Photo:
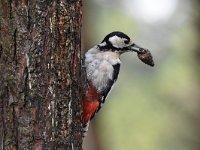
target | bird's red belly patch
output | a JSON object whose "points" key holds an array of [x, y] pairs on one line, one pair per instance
{"points": [[90, 104], [89, 109]]}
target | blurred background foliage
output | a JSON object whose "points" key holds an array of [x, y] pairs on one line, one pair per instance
{"points": [[149, 108]]}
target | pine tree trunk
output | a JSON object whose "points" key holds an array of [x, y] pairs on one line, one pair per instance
{"points": [[40, 77]]}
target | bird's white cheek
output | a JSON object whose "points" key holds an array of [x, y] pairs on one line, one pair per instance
{"points": [[117, 41]]}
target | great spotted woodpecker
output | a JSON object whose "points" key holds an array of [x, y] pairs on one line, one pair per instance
{"points": [[102, 65]]}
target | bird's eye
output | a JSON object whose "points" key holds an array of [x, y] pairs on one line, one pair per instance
{"points": [[126, 41]]}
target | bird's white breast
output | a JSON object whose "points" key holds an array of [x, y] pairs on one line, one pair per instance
{"points": [[99, 67]]}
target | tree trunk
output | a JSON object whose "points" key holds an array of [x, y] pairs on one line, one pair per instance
{"points": [[40, 80]]}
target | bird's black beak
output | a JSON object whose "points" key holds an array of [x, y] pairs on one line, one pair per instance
{"points": [[136, 48]]}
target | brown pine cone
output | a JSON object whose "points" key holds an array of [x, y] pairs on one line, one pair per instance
{"points": [[145, 56]]}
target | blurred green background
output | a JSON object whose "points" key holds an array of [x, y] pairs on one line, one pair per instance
{"points": [[149, 108]]}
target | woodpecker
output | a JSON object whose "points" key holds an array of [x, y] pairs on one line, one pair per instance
{"points": [[102, 66]]}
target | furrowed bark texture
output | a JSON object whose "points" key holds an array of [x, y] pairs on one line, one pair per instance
{"points": [[40, 90]]}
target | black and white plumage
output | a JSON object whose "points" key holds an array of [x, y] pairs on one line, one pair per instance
{"points": [[102, 63]]}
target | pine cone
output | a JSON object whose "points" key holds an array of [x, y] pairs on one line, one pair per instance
{"points": [[145, 56]]}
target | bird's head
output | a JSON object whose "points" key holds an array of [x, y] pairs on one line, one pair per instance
{"points": [[121, 43], [118, 42]]}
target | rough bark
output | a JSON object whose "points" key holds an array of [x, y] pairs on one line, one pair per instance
{"points": [[40, 90]]}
